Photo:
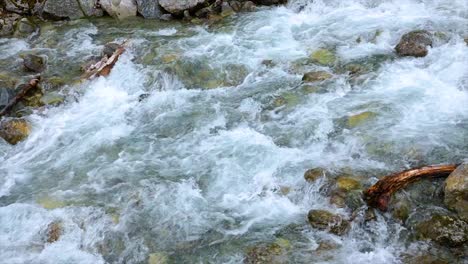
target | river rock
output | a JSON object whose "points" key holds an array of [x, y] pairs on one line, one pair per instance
{"points": [[71, 9], [346, 183], [270, 2], [177, 7], [157, 258], [24, 27], [120, 8], [149, 8], [248, 6], [24, 7], [456, 191], [443, 229], [273, 253], [110, 48], [324, 220], [323, 57], [14, 130], [414, 44], [359, 119], [54, 231], [316, 76], [312, 175], [7, 24], [34, 63]]}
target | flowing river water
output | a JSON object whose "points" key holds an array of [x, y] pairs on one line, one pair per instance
{"points": [[196, 170]]}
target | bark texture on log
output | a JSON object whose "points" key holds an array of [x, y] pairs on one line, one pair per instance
{"points": [[26, 87], [380, 193], [105, 65]]}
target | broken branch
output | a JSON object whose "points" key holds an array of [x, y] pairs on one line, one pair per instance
{"points": [[380, 193]]}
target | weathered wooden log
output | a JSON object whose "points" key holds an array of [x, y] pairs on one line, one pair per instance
{"points": [[24, 89], [105, 65], [380, 193]]}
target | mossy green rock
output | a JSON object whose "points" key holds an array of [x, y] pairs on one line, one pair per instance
{"points": [[52, 98], [456, 191], [323, 57], [443, 229], [14, 130], [347, 183], [157, 258], [274, 253], [316, 76], [360, 119], [324, 220]]}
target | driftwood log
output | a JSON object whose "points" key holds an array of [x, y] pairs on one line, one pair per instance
{"points": [[380, 193], [24, 89], [105, 65]]}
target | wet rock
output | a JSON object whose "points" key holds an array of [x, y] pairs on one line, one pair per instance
{"points": [[226, 9], [34, 63], [52, 98], [248, 6], [424, 259], [312, 175], [109, 49], [323, 57], [24, 7], [14, 130], [414, 44], [273, 253], [177, 7], [235, 5], [443, 229], [54, 231], [400, 207], [456, 191], [347, 183], [270, 2], [7, 24], [120, 8], [316, 76], [25, 27], [359, 119], [149, 8], [354, 200], [324, 220]]}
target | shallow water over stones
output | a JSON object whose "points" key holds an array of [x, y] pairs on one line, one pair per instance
{"points": [[197, 170]]}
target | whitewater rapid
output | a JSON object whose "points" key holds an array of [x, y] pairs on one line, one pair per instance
{"points": [[195, 174]]}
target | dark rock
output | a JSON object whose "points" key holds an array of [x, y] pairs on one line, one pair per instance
{"points": [[456, 191], [7, 24], [443, 229], [312, 175], [273, 253], [25, 27], [414, 44], [324, 220], [34, 63], [235, 5], [149, 8], [109, 49], [14, 130], [248, 6], [270, 2]]}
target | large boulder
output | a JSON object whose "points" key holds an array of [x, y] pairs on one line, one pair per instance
{"points": [[7, 23], [456, 191], [149, 8], [34, 63], [26, 7], [414, 44], [14, 130], [177, 7], [120, 8], [72, 9], [443, 229]]}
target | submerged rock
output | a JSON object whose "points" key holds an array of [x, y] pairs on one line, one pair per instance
{"points": [[347, 183], [359, 119], [443, 229], [323, 57], [54, 231], [273, 253], [312, 175], [34, 63], [324, 220], [157, 258], [456, 191], [414, 44], [316, 76], [14, 130]]}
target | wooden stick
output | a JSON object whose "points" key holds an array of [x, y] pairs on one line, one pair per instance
{"points": [[26, 87], [105, 65], [380, 193]]}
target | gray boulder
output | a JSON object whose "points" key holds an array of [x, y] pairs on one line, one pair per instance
{"points": [[149, 8], [7, 24], [72, 9], [120, 8], [178, 7], [414, 44], [456, 191]]}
